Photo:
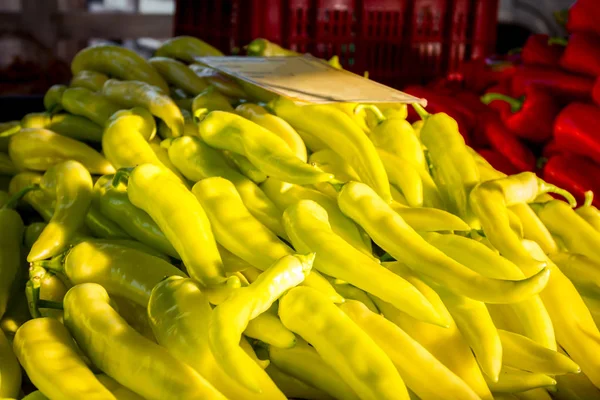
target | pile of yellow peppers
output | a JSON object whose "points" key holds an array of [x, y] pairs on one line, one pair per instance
{"points": [[168, 232]]}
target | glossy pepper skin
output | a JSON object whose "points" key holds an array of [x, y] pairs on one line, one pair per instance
{"points": [[537, 51], [10, 370], [574, 173], [285, 194], [46, 350], [582, 54], [230, 318], [537, 105], [112, 201], [123, 271], [445, 144], [196, 161], [361, 204], [410, 358], [181, 218], [44, 285], [575, 130], [343, 135], [304, 363], [91, 80], [53, 98], [308, 228], [88, 104], [583, 17], [73, 126], [179, 75], [181, 303], [38, 199], [589, 212], [505, 142], [186, 48], [341, 343], [71, 184], [38, 149], [266, 151], [559, 83], [132, 360], [275, 124], [140, 94], [118, 62]]}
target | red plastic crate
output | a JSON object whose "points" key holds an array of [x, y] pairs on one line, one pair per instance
{"points": [[397, 41]]}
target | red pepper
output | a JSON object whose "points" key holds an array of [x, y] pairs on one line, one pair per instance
{"points": [[577, 130], [537, 51], [498, 105], [596, 91], [481, 73], [574, 173], [584, 16], [552, 148], [531, 117], [582, 54], [563, 84], [498, 161], [506, 143]]}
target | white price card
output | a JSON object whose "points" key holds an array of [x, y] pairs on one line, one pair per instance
{"points": [[307, 79]]}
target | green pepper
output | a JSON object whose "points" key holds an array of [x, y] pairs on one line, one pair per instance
{"points": [[230, 318], [417, 366], [91, 80], [71, 184], [113, 202], [38, 149], [231, 222], [73, 126], [53, 98], [45, 286], [186, 48], [455, 171], [305, 364], [132, 360], [263, 149], [361, 363], [525, 354], [179, 75], [285, 194], [117, 62], [278, 126], [11, 237], [181, 218], [338, 131], [307, 226], [180, 316], [88, 104], [46, 350], [393, 235], [197, 161], [140, 94], [123, 271]]}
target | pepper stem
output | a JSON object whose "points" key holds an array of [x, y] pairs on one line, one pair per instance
{"points": [[589, 198], [558, 40], [12, 201], [550, 188], [56, 305], [421, 111], [337, 184], [515, 104], [55, 264], [121, 176], [373, 108]]}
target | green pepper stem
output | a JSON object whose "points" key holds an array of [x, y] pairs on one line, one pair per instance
{"points": [[420, 111], [121, 176], [558, 40], [55, 264], [14, 199], [56, 305], [337, 184], [550, 188], [373, 108], [515, 104], [589, 198], [516, 50], [561, 17], [165, 144], [35, 299]]}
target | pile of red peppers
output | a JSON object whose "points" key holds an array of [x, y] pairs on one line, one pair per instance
{"points": [[537, 110]]}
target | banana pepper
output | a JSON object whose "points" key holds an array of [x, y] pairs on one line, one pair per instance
{"points": [[178, 74], [73, 126], [91, 80], [91, 105]]}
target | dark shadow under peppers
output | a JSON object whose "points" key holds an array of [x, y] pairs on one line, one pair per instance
{"points": [[530, 117], [576, 130]]}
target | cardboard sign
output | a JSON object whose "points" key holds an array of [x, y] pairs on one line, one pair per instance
{"points": [[307, 79]]}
